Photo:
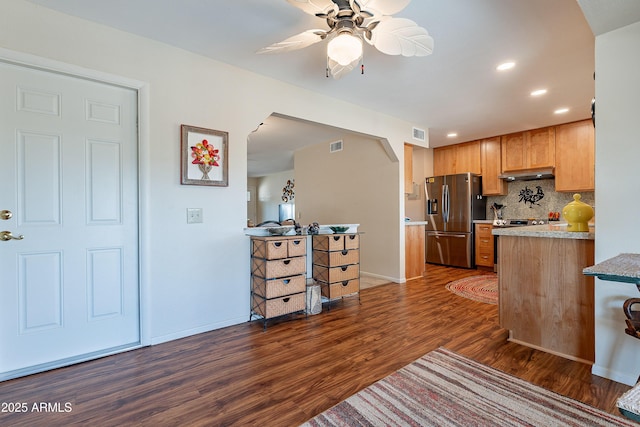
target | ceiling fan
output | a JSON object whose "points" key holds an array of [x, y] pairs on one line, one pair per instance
{"points": [[350, 22]]}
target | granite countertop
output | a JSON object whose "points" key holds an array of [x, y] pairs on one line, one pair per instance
{"points": [[621, 268], [483, 221], [554, 231]]}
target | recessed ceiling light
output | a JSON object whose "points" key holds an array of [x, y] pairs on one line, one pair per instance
{"points": [[561, 111], [538, 92], [506, 66], [452, 135]]}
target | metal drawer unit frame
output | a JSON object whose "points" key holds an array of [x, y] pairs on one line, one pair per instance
{"points": [[278, 276], [336, 265]]}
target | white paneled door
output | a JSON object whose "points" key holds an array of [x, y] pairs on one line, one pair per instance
{"points": [[69, 287]]}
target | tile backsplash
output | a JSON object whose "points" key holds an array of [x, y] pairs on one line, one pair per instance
{"points": [[534, 199]]}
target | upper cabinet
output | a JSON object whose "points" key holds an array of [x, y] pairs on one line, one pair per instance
{"points": [[408, 168], [575, 159], [444, 160], [491, 168], [569, 148], [533, 149], [458, 158]]}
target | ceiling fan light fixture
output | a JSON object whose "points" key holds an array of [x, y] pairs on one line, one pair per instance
{"points": [[345, 48]]}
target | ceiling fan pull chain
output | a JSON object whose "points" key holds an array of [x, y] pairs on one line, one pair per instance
{"points": [[327, 67]]}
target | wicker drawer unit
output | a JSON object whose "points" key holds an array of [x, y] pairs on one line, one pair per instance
{"points": [[336, 264], [278, 276]]}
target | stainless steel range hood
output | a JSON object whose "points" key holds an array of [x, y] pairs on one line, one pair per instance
{"points": [[529, 175]]}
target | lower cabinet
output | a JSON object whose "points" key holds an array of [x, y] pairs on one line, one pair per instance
{"points": [[336, 264], [485, 247], [414, 251], [278, 276]]}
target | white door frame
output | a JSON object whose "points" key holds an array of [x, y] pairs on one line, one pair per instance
{"points": [[144, 164]]}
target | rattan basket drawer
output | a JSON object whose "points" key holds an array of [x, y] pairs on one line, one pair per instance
{"points": [[351, 241], [269, 249], [336, 258], [271, 269], [297, 247], [272, 288], [328, 242], [336, 274], [278, 248], [269, 308], [340, 289]]}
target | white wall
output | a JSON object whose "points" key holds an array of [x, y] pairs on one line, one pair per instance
{"points": [[185, 88], [354, 186], [617, 201]]}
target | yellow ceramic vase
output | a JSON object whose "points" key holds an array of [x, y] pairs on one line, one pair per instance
{"points": [[577, 214]]}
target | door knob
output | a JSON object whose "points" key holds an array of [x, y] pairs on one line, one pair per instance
{"points": [[5, 214], [6, 236]]}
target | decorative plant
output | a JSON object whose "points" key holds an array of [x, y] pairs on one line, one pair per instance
{"points": [[287, 191]]}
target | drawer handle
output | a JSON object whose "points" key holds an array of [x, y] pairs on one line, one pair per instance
{"points": [[352, 236], [484, 241], [277, 244], [345, 252], [485, 257], [345, 283], [344, 267], [285, 299], [336, 238], [286, 261], [296, 242], [286, 281]]}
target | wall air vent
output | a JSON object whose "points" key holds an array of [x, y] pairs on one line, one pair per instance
{"points": [[419, 134], [335, 146]]}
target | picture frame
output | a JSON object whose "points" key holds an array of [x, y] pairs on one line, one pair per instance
{"points": [[204, 156]]}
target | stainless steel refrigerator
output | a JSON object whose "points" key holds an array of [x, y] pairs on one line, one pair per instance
{"points": [[452, 203]]}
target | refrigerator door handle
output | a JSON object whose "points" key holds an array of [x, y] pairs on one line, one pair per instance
{"points": [[447, 234], [445, 203]]}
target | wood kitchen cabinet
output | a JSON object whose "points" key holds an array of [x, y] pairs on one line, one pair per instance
{"points": [[546, 302], [414, 250], [533, 149], [575, 158], [468, 157], [484, 246], [491, 163], [458, 158], [408, 168], [444, 160]]}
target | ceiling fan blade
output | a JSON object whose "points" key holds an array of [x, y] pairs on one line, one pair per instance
{"points": [[383, 7], [299, 41], [314, 7], [338, 71], [400, 36]]}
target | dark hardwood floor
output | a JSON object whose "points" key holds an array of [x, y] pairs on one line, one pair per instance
{"points": [[243, 376]]}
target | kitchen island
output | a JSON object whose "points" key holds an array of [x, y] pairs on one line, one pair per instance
{"points": [[544, 299]]}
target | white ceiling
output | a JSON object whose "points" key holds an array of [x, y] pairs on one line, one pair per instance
{"points": [[456, 89]]}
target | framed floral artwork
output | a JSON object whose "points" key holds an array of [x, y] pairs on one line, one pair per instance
{"points": [[204, 156]]}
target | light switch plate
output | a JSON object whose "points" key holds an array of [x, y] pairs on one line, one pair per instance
{"points": [[194, 215]]}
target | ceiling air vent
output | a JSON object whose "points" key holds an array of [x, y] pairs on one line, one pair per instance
{"points": [[418, 134], [335, 146]]}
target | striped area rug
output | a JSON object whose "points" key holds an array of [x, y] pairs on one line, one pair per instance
{"points": [[483, 288], [443, 388]]}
